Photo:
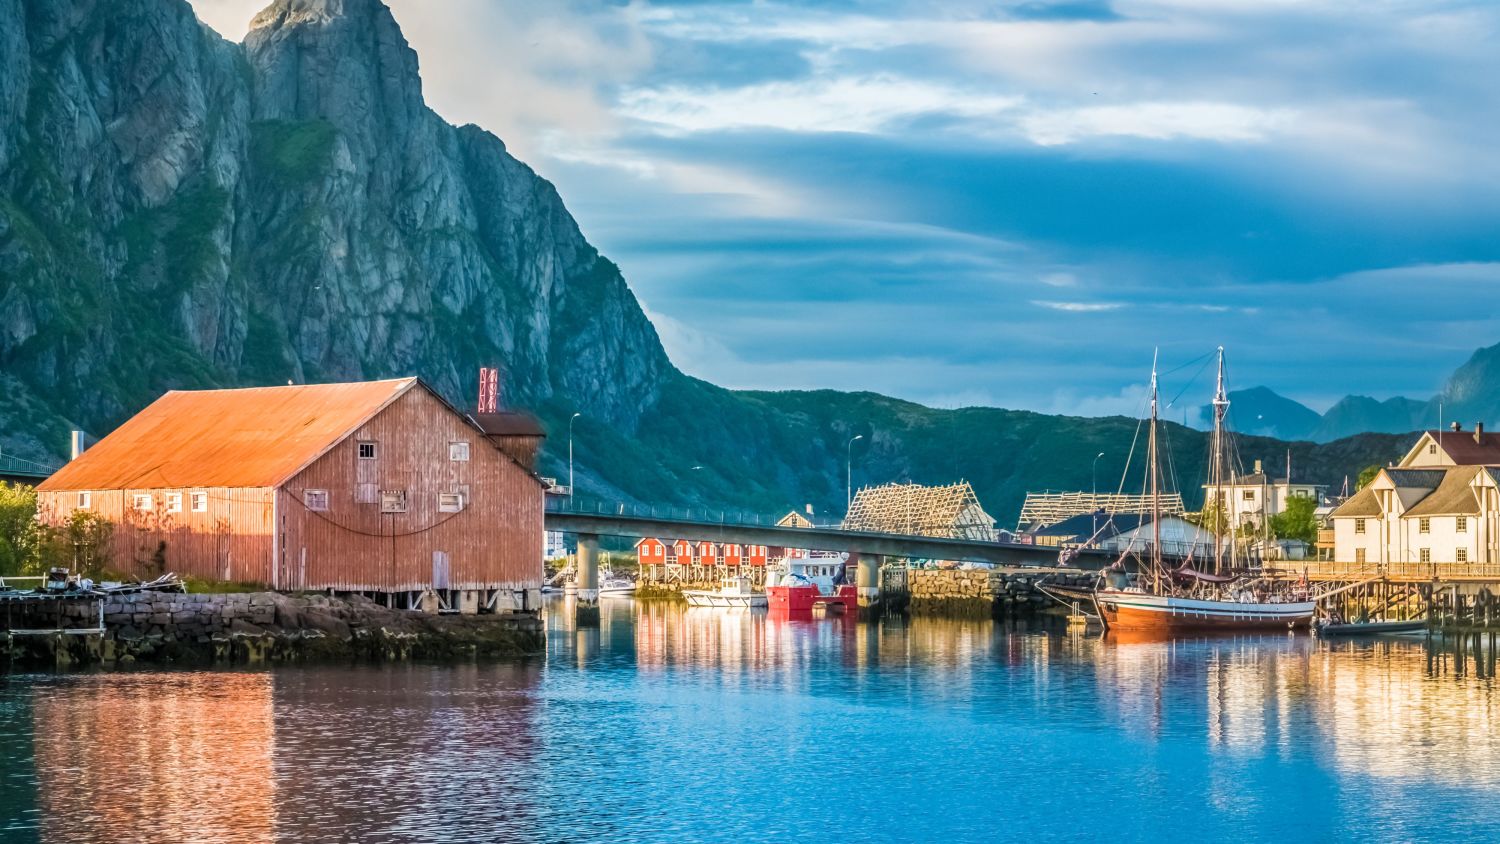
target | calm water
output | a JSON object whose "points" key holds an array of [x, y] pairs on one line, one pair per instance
{"points": [[675, 724]]}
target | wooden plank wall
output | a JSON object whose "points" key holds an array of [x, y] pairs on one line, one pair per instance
{"points": [[495, 542], [231, 540]]}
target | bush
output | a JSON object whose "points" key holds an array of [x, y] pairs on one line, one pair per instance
{"points": [[28, 547]]}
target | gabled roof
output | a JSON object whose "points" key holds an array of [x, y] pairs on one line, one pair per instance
{"points": [[1462, 448], [1416, 478], [1361, 504], [1454, 496], [256, 437]]}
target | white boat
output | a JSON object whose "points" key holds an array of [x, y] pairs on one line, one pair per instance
{"points": [[732, 592], [612, 585]]}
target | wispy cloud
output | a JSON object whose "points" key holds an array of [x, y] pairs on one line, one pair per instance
{"points": [[1078, 307]]}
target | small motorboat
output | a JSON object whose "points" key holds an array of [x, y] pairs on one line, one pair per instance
{"points": [[1329, 627], [732, 592], [612, 585]]}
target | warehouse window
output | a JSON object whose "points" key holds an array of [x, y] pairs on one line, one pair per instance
{"points": [[316, 499], [1359, 525], [85, 500], [393, 501], [1461, 524], [200, 502], [1461, 555], [458, 452], [367, 450], [1425, 555], [141, 501], [450, 502], [174, 502], [1424, 525]]}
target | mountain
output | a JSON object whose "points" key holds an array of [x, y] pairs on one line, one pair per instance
{"points": [[1262, 412], [1362, 413], [180, 211]]}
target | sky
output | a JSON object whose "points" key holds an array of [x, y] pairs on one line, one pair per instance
{"points": [[1011, 202]]}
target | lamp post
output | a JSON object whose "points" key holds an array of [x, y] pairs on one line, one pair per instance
{"points": [[570, 452], [1095, 472], [849, 473]]}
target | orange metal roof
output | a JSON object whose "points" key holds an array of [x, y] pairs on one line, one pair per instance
{"points": [[257, 437]]}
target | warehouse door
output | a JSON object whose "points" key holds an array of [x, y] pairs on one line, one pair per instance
{"points": [[439, 569]]}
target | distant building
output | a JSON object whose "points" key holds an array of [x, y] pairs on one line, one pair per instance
{"points": [[379, 487], [1048, 508], [1127, 531], [794, 519], [951, 511], [1249, 499], [697, 561], [1439, 505]]}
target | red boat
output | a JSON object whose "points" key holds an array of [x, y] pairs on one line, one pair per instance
{"points": [[807, 581]]}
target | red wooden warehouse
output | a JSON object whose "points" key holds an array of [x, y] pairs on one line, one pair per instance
{"points": [[377, 487]]}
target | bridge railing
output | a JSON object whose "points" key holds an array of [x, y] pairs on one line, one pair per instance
{"points": [[666, 512]]}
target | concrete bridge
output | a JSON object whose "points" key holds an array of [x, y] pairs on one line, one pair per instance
{"points": [[865, 549]]}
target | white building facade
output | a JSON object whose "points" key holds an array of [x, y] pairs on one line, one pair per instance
{"points": [[1251, 498]]}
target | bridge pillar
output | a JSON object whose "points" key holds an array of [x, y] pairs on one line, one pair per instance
{"points": [[867, 579], [587, 579]]}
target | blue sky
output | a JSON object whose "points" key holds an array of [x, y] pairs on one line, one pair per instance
{"points": [[1010, 203]]}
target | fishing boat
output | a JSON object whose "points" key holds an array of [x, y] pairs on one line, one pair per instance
{"points": [[732, 592], [811, 581], [1159, 598], [1330, 627]]}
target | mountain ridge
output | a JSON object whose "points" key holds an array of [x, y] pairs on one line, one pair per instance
{"points": [[180, 211]]}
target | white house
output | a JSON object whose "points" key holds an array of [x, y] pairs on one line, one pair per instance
{"points": [[1440, 505], [1248, 499]]}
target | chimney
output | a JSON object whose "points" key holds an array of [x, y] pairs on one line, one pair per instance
{"points": [[78, 445], [1478, 432], [1456, 427], [1257, 467]]}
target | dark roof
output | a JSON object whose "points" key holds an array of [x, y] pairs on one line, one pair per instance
{"points": [[1464, 451], [510, 423], [1419, 478], [1085, 525]]}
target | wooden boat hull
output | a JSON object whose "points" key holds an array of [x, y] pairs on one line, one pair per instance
{"points": [[1140, 612]]}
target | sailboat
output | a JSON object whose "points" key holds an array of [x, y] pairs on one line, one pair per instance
{"points": [[1168, 600]]}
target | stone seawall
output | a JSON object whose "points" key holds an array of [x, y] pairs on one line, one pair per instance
{"points": [[259, 627], [985, 592]]}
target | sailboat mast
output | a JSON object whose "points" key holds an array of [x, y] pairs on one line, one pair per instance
{"points": [[1221, 409], [1156, 564]]}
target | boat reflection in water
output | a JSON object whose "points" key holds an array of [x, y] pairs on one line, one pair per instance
{"points": [[629, 728]]}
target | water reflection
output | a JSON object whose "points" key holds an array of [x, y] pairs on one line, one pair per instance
{"points": [[665, 722]]}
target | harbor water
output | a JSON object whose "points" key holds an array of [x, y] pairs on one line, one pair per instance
{"points": [[672, 724]]}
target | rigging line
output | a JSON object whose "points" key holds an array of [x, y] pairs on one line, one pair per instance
{"points": [[1183, 366], [1191, 381]]}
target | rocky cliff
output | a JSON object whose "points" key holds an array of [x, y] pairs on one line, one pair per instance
{"points": [[180, 211]]}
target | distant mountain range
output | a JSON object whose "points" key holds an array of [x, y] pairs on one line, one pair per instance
{"points": [[1472, 394]]}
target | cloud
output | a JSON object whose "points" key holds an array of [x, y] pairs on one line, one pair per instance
{"points": [[1079, 307], [1224, 122]]}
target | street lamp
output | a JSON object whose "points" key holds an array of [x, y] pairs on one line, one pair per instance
{"points": [[849, 473], [1095, 472], [570, 452]]}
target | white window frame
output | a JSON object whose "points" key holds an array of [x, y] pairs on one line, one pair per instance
{"points": [[458, 451], [198, 501], [1461, 524], [85, 501], [359, 450], [450, 502], [1359, 525], [1424, 524], [315, 500], [174, 502], [1460, 555], [393, 501], [141, 502], [1424, 555]]}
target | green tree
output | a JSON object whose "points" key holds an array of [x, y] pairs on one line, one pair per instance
{"points": [[20, 535], [1214, 520], [1298, 521], [1366, 475]]}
